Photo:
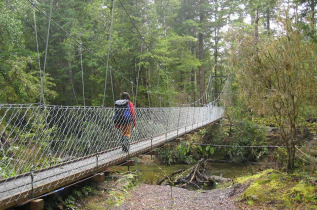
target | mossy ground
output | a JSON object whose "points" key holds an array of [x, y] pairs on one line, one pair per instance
{"points": [[272, 188], [94, 196], [113, 193]]}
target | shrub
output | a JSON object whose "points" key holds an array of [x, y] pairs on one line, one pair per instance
{"points": [[186, 152], [247, 133], [242, 133]]}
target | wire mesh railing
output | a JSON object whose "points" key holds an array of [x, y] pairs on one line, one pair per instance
{"points": [[44, 146]]}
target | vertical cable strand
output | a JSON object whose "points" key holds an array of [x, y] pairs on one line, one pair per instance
{"points": [[38, 57], [108, 52], [82, 73], [46, 48]]}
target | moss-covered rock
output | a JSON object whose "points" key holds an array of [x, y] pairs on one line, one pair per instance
{"points": [[278, 189]]}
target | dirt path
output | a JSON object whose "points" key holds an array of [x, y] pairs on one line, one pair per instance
{"points": [[159, 197]]}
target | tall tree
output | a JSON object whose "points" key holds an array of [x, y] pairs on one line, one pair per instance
{"points": [[278, 80], [201, 50]]}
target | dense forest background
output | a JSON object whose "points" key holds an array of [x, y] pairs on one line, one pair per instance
{"points": [[162, 52]]}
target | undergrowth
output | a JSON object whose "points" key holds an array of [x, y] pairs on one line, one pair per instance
{"points": [[93, 195], [69, 199], [198, 145], [117, 194], [187, 151]]}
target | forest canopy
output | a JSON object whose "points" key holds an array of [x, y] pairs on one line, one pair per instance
{"points": [[163, 52]]}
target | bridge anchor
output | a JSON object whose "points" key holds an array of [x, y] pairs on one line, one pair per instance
{"points": [[99, 177]]}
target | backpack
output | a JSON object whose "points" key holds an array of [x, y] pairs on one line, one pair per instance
{"points": [[122, 115]]}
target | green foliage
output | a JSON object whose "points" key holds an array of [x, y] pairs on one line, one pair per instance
{"points": [[10, 27], [242, 133], [248, 134], [187, 151], [169, 28], [268, 121], [19, 76], [276, 78], [5, 172], [176, 154], [71, 200], [280, 154], [129, 180], [125, 183], [311, 126]]}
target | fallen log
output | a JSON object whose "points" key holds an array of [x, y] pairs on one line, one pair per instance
{"points": [[196, 177], [219, 161], [169, 178]]}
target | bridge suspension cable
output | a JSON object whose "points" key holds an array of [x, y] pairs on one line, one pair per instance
{"points": [[108, 55], [138, 76], [38, 57], [46, 49], [82, 74]]}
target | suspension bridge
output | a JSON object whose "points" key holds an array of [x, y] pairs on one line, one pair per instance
{"points": [[46, 147]]}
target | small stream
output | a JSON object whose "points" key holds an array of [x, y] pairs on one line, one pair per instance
{"points": [[151, 171]]}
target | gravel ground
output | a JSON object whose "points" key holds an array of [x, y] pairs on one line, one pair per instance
{"points": [[159, 197]]}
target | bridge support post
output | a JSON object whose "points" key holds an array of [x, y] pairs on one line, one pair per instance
{"points": [[151, 145], [97, 161], [37, 204], [99, 177], [32, 182]]}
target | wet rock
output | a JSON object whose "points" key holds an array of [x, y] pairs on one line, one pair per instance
{"points": [[220, 179], [254, 197]]}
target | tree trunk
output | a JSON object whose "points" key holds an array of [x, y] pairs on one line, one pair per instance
{"points": [[312, 8], [164, 19], [194, 73], [290, 155], [201, 57], [216, 52], [256, 28], [268, 24]]}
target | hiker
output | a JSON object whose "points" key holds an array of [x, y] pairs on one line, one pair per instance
{"points": [[125, 119]]}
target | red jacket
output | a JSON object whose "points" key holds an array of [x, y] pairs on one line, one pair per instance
{"points": [[132, 112]]}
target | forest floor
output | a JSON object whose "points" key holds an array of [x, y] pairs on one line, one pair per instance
{"points": [[262, 188], [165, 197], [270, 189]]}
